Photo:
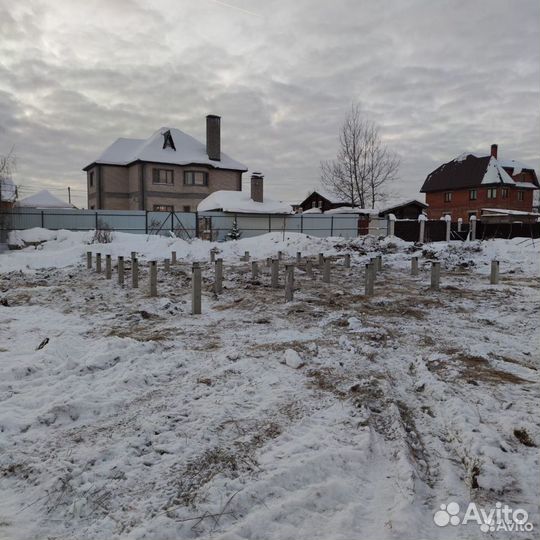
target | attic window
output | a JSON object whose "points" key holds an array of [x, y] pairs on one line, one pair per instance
{"points": [[168, 140]]}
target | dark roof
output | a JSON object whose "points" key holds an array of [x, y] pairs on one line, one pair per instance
{"points": [[469, 171], [413, 202], [457, 174]]}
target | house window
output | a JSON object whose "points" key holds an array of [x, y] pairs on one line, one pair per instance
{"points": [[163, 208], [314, 204], [504, 193], [492, 193], [447, 196], [163, 176], [521, 195], [473, 194], [195, 178], [187, 208], [91, 179], [320, 204]]}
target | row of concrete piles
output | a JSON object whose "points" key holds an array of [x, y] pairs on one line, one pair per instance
{"points": [[324, 264]]}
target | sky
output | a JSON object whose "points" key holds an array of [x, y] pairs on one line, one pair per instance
{"points": [[438, 77]]}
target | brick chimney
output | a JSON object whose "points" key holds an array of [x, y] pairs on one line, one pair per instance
{"points": [[213, 137], [257, 187], [494, 151]]}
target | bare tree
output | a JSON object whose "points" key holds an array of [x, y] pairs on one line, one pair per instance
{"points": [[364, 166]]}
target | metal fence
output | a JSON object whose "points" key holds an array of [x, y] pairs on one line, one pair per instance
{"points": [[217, 225], [183, 224], [208, 225]]}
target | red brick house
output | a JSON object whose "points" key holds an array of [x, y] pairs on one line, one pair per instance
{"points": [[464, 186]]}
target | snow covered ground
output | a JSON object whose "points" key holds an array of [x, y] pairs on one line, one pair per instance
{"points": [[334, 416]]}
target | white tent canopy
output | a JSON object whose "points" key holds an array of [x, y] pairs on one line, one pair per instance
{"points": [[43, 199]]}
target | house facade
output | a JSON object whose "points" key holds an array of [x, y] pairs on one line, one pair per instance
{"points": [[470, 183], [169, 171]]}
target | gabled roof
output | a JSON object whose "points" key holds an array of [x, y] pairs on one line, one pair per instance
{"points": [[330, 197], [414, 202], [43, 199], [471, 170], [166, 145]]}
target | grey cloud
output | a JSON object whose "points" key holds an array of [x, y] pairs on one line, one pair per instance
{"points": [[439, 78]]}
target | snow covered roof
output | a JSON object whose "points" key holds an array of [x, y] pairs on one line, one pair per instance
{"points": [[43, 199], [8, 190], [185, 150], [352, 210], [241, 202], [507, 212], [471, 170]]}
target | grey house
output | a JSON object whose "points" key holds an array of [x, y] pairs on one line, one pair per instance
{"points": [[169, 171]]}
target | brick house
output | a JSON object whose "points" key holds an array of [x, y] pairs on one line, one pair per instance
{"points": [[169, 171], [466, 185]]}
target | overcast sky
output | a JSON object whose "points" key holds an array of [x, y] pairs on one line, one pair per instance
{"points": [[438, 77]]}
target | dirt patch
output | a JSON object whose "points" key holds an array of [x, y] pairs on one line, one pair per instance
{"points": [[524, 438]]}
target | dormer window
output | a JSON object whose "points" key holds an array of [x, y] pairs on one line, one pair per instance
{"points": [[168, 140]]}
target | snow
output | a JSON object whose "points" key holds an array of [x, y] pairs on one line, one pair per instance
{"points": [[508, 211], [241, 202], [495, 174], [330, 417], [312, 211], [43, 199], [188, 151], [8, 190], [353, 210]]}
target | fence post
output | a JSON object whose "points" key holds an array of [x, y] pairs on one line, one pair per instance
{"points": [[197, 224], [146, 222], [347, 262], [196, 289], [42, 219], [218, 279], [98, 263], [254, 270], [369, 278], [332, 226], [274, 277], [309, 268], [167, 265], [422, 234], [473, 227], [298, 257], [289, 282], [135, 273], [280, 255], [133, 256], [173, 257], [391, 225], [120, 270], [153, 278], [326, 270], [459, 224], [88, 259], [269, 222], [448, 221], [435, 275], [108, 267], [321, 259], [494, 277], [378, 259], [301, 223], [246, 256], [414, 266]]}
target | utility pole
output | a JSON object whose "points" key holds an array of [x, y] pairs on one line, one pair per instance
{"points": [[69, 195]]}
